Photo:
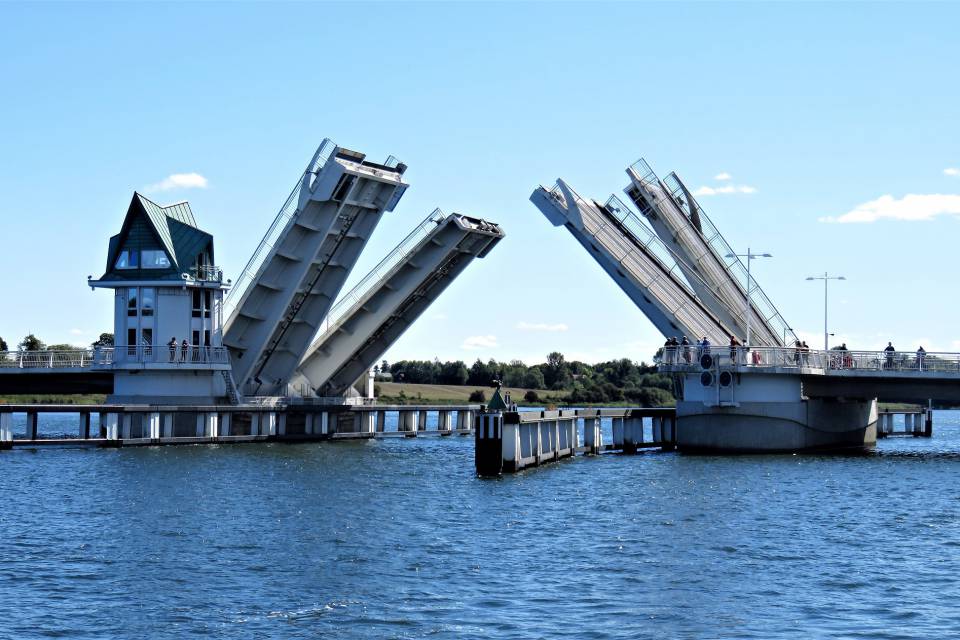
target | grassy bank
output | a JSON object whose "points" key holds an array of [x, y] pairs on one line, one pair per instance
{"points": [[37, 398], [409, 393]]}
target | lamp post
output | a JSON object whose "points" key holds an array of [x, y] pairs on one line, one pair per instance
{"points": [[826, 278], [749, 255]]}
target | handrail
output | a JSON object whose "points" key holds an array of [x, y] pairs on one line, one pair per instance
{"points": [[207, 273], [350, 300], [161, 354], [687, 358], [72, 358], [290, 209]]}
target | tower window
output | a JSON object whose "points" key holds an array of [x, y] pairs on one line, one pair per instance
{"points": [[132, 301], [128, 259], [154, 259], [147, 301]]}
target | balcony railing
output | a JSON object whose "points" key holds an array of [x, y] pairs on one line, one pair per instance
{"points": [[207, 273], [167, 355]]}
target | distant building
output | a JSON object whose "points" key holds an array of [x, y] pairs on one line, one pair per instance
{"points": [[168, 289]]}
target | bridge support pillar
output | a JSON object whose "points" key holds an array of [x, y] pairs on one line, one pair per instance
{"points": [[618, 425], [112, 425], [465, 420], [381, 421], [406, 421], [592, 436], [83, 428], [268, 424], [422, 421], [444, 421], [255, 424], [324, 423], [32, 425], [226, 424], [6, 427], [368, 421], [154, 426], [211, 424], [168, 425], [928, 424]]}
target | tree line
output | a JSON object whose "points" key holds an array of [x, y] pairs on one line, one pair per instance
{"points": [[31, 342], [611, 381]]}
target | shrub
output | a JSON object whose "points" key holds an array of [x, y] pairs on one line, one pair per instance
{"points": [[531, 396], [478, 396]]}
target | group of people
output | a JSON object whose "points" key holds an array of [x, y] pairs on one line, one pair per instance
{"points": [[890, 353], [674, 349], [184, 349], [801, 352]]}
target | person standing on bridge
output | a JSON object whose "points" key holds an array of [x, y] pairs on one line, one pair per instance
{"points": [[889, 351], [685, 343], [184, 346], [734, 343], [173, 349], [921, 354]]}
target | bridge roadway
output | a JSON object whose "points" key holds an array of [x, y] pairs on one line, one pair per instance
{"points": [[896, 377]]}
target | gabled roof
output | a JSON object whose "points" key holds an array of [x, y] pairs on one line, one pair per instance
{"points": [[174, 227], [159, 215]]}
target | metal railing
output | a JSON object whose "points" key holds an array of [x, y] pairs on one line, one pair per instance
{"points": [[688, 358], [207, 273], [73, 358], [347, 302], [288, 211], [166, 354]]}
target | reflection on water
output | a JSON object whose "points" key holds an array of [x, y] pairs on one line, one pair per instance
{"points": [[398, 539]]}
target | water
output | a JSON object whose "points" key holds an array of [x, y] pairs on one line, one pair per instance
{"points": [[398, 539]]}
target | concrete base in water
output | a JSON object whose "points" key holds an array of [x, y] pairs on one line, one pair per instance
{"points": [[768, 427], [758, 413]]}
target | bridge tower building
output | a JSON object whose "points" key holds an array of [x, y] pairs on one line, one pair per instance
{"points": [[167, 309]]}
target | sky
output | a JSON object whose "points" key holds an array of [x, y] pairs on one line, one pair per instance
{"points": [[824, 134]]}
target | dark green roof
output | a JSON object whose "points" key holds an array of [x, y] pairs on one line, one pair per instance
{"points": [[150, 225]]}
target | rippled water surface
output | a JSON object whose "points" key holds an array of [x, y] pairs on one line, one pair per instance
{"points": [[398, 539]]}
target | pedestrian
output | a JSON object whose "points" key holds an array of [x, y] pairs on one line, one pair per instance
{"points": [[669, 350], [685, 343], [921, 354], [705, 346], [797, 348], [173, 348], [889, 351], [734, 343], [184, 346], [805, 352], [845, 356]]}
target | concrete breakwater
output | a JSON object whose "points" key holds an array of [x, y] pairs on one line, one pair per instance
{"points": [[510, 441], [135, 425]]}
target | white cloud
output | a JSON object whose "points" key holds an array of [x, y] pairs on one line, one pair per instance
{"points": [[473, 343], [726, 189], [723, 175], [541, 326], [910, 207], [81, 332], [951, 171], [180, 181]]}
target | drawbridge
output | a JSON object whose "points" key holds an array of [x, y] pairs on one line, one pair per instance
{"points": [[366, 321], [710, 265], [636, 260], [289, 285]]}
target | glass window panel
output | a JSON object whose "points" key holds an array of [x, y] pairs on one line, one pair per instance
{"points": [[147, 301], [127, 260], [154, 259], [132, 301]]}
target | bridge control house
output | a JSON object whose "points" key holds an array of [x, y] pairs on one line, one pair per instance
{"points": [[168, 308]]}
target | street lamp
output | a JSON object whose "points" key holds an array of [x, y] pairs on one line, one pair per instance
{"points": [[826, 278], [749, 255]]}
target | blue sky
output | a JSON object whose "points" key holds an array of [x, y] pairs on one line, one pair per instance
{"points": [[822, 110]]}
